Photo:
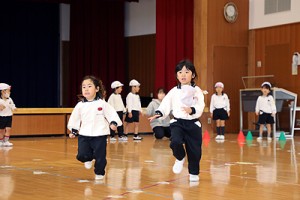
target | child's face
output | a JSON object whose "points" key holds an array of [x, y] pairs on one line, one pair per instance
{"points": [[89, 90], [184, 76], [219, 90], [161, 95], [135, 89], [5, 93], [119, 90], [265, 91]]}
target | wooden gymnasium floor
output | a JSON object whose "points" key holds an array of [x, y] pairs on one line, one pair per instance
{"points": [[45, 168]]}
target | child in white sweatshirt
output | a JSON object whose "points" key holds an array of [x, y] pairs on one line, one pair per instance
{"points": [[90, 120]]}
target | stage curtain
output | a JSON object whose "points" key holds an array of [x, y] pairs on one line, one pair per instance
{"points": [[29, 52], [174, 38], [97, 43]]}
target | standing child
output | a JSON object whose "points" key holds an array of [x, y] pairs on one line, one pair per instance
{"points": [[266, 110], [160, 127], [90, 120], [6, 107], [134, 108], [220, 109], [186, 101], [115, 100]]}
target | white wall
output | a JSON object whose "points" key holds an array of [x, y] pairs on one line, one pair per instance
{"points": [[140, 18], [257, 19]]}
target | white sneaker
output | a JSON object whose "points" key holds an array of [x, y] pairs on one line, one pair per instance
{"points": [[99, 177], [123, 138], [194, 178], [88, 164], [1, 143], [269, 139], [178, 166], [259, 139], [137, 138], [222, 137], [7, 144], [112, 139], [218, 137]]}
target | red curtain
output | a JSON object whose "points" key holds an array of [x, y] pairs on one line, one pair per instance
{"points": [[174, 38], [97, 43]]}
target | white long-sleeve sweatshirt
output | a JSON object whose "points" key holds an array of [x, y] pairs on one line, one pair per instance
{"points": [[219, 101], [9, 107], [173, 102], [133, 102], [265, 104], [115, 100], [92, 118]]}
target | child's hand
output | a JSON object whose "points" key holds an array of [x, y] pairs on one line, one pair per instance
{"points": [[153, 117], [188, 110], [130, 115], [2, 107], [113, 127], [211, 115], [228, 113], [273, 114], [71, 135], [257, 113]]}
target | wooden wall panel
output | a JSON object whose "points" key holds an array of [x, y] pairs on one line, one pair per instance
{"points": [[212, 34], [39, 125], [141, 62], [275, 46], [230, 64]]}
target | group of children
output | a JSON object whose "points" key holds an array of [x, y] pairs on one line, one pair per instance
{"points": [[93, 119], [265, 109], [133, 109]]}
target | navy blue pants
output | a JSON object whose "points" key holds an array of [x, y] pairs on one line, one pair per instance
{"points": [[90, 148], [119, 128], [160, 132], [187, 133]]}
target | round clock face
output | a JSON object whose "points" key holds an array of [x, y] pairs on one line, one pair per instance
{"points": [[230, 12]]}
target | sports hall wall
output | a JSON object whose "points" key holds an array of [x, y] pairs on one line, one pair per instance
{"points": [[227, 51]]}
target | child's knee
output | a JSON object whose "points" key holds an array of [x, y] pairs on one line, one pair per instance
{"points": [[158, 136], [84, 157]]}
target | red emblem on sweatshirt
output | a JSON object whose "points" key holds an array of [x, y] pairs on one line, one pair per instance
{"points": [[100, 108]]}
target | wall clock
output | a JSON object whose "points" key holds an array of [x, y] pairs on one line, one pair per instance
{"points": [[230, 12]]}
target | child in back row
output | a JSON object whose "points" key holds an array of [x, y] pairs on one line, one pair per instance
{"points": [[186, 101], [220, 109], [266, 110], [160, 127], [90, 120], [7, 107], [134, 109], [115, 100]]}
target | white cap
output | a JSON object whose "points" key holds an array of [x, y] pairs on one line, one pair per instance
{"points": [[4, 86], [134, 82], [266, 83], [116, 84], [219, 84]]}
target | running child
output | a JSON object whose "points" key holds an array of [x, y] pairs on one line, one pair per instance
{"points": [[90, 120], [186, 101]]}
